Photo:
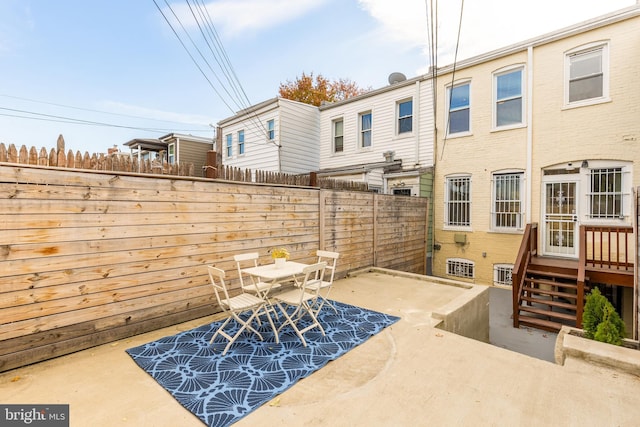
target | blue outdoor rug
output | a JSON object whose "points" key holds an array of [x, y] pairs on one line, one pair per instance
{"points": [[220, 390]]}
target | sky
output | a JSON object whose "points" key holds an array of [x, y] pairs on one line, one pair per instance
{"points": [[102, 73]]}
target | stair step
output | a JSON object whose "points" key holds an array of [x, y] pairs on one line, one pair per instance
{"points": [[571, 285], [547, 325], [549, 302], [551, 274], [548, 313], [549, 292]]}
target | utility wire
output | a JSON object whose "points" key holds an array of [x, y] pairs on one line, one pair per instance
{"points": [[453, 78]]}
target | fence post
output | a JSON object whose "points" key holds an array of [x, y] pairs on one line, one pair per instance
{"points": [[313, 179]]}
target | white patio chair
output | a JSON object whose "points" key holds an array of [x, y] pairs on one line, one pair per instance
{"points": [[251, 285], [301, 299], [235, 306], [326, 282]]}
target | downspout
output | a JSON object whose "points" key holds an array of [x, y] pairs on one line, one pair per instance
{"points": [[416, 114], [529, 166]]}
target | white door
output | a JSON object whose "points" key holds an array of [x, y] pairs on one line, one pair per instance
{"points": [[560, 225]]}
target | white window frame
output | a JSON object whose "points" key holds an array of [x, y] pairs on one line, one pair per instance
{"points": [[171, 153], [625, 193], [449, 110], [362, 131], [603, 47], [399, 118], [271, 129], [335, 136], [462, 268], [450, 223], [496, 101], [503, 274], [241, 145], [229, 145], [520, 219]]}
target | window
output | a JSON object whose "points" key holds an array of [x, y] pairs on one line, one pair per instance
{"points": [[502, 274], [338, 136], [587, 74], [365, 130], [405, 116], [606, 193], [240, 142], [458, 201], [459, 109], [401, 191], [271, 130], [507, 200], [460, 268], [171, 152], [508, 98], [229, 145]]}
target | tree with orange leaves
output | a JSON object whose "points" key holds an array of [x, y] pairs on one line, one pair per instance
{"points": [[314, 91]]}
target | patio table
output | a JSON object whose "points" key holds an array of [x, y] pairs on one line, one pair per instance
{"points": [[275, 273]]}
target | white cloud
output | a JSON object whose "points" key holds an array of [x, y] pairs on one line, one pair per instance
{"points": [[235, 17], [486, 24]]}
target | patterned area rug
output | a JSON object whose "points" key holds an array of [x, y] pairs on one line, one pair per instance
{"points": [[220, 390]]}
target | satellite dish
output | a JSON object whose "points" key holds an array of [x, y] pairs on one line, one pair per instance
{"points": [[396, 78]]}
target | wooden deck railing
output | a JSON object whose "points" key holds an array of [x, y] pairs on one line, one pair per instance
{"points": [[528, 249]]}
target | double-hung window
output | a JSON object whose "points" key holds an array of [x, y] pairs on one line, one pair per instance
{"points": [[271, 130], [338, 136], [240, 142], [171, 151], [405, 117], [459, 108], [587, 72], [508, 98], [365, 130], [458, 201], [229, 145], [508, 201]]}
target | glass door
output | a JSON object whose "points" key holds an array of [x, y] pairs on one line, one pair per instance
{"points": [[561, 219]]}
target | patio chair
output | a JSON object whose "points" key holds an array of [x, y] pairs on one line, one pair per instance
{"points": [[257, 287], [296, 304], [325, 283], [235, 306]]}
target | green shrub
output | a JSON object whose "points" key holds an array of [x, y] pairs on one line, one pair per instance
{"points": [[600, 320]]}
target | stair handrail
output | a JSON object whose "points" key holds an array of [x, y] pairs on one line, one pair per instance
{"points": [[528, 249], [582, 263]]}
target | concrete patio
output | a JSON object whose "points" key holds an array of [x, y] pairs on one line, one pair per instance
{"points": [[410, 374]]}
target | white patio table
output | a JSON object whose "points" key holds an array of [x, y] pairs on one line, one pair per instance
{"points": [[275, 273]]}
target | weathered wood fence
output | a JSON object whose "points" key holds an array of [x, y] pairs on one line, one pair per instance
{"points": [[92, 257]]}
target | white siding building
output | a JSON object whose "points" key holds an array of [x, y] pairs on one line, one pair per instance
{"points": [[383, 137], [277, 135]]}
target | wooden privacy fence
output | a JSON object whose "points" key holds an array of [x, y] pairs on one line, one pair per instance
{"points": [[102, 162], [92, 257]]}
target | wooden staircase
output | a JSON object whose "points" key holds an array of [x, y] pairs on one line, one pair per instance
{"points": [[549, 294]]}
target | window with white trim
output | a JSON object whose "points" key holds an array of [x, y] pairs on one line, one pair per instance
{"points": [[338, 135], [405, 116], [606, 194], [171, 153], [508, 109], [240, 142], [271, 130], [508, 203], [460, 268], [458, 201], [502, 274], [365, 129], [587, 72], [459, 108], [229, 145]]}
